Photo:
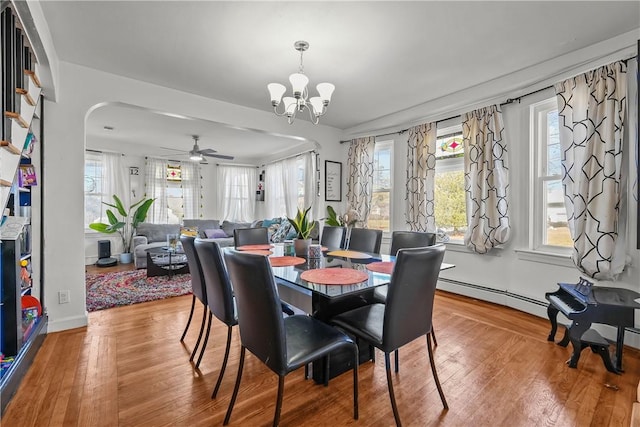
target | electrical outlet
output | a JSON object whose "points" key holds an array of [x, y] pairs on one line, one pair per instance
{"points": [[64, 297]]}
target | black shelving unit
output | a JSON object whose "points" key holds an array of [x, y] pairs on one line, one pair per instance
{"points": [[21, 331]]}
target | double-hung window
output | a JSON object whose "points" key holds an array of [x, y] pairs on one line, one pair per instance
{"points": [[94, 210], [175, 205], [380, 212], [449, 194], [549, 218]]}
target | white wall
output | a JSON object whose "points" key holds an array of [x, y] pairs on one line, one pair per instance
{"points": [[80, 89]]}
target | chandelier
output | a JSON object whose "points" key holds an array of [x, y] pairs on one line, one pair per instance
{"points": [[300, 101]]}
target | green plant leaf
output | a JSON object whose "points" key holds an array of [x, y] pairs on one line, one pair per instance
{"points": [[101, 227], [120, 206]]}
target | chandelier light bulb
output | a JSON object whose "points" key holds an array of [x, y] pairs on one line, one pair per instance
{"points": [[316, 106], [325, 90], [276, 90]]}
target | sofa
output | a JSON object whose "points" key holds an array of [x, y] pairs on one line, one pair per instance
{"points": [[155, 235]]}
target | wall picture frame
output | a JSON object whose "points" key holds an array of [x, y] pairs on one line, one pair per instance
{"points": [[332, 181]]}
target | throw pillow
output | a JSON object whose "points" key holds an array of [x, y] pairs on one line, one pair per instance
{"points": [[189, 231], [280, 235], [215, 233]]}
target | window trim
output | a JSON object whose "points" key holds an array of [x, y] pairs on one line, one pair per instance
{"points": [[538, 179]]}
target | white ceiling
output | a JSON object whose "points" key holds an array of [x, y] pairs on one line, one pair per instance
{"points": [[383, 57]]}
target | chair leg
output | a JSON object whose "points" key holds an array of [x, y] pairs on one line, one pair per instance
{"points": [[306, 371], [224, 363], [387, 364], [204, 320], [433, 335], [326, 370], [193, 305], [397, 360], [276, 416], [355, 382], [235, 388], [435, 374], [206, 340], [372, 353]]}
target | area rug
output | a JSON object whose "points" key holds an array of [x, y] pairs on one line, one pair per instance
{"points": [[131, 287]]}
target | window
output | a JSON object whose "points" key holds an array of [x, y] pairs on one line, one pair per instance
{"points": [[175, 206], [549, 219], [449, 194], [380, 213], [94, 210]]}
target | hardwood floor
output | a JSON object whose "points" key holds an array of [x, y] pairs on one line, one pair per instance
{"points": [[128, 368]]}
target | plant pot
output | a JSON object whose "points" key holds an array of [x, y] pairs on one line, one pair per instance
{"points": [[126, 258], [302, 247]]}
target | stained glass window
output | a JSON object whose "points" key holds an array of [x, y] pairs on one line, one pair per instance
{"points": [[174, 173]]}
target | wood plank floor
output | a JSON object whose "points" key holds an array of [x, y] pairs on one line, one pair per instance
{"points": [[128, 368]]}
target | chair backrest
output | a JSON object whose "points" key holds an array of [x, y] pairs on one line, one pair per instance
{"points": [[332, 237], [410, 239], [195, 268], [216, 281], [250, 236], [365, 239], [259, 309], [409, 304]]}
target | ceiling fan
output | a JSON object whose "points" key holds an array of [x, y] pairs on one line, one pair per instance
{"points": [[198, 155]]}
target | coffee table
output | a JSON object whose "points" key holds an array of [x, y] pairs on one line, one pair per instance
{"points": [[166, 262]]}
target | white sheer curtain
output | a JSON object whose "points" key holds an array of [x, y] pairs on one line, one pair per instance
{"points": [[114, 179], [237, 192], [360, 178], [486, 176], [421, 173], [310, 182], [156, 187], [592, 110], [281, 188], [191, 189]]}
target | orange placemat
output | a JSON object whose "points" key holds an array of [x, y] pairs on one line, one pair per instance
{"points": [[285, 261], [265, 253], [349, 254], [334, 276], [385, 267], [265, 246]]}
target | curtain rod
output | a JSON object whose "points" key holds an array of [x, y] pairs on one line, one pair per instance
{"points": [[100, 152], [506, 102], [242, 165], [290, 157]]}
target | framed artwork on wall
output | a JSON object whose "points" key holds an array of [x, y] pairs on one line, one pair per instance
{"points": [[332, 181]]}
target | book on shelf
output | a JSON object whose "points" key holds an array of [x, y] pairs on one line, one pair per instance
{"points": [[27, 176]]}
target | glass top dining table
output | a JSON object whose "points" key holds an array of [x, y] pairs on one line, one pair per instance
{"points": [[292, 274]]}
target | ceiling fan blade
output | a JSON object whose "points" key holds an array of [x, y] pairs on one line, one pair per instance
{"points": [[207, 151], [218, 156]]}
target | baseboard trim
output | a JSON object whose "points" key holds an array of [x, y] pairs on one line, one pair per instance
{"points": [[68, 323]]}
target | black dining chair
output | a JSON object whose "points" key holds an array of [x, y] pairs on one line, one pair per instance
{"points": [[407, 313], [198, 289], [219, 296], [283, 344], [250, 236], [332, 237], [365, 240]]}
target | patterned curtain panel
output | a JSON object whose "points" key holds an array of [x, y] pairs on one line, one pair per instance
{"points": [[421, 164], [191, 189], [592, 108], [486, 176], [360, 178], [156, 187]]}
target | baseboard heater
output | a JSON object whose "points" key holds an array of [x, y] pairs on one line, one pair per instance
{"points": [[510, 295]]}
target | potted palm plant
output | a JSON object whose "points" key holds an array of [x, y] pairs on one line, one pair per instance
{"points": [[125, 224], [303, 227]]}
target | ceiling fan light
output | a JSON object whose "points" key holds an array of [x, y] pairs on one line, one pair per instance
{"points": [[276, 90], [196, 157], [325, 90], [298, 83]]}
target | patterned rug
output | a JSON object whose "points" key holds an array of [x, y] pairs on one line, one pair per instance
{"points": [[131, 287]]}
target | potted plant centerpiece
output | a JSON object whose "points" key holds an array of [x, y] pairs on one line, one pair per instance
{"points": [[126, 225], [303, 228]]}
